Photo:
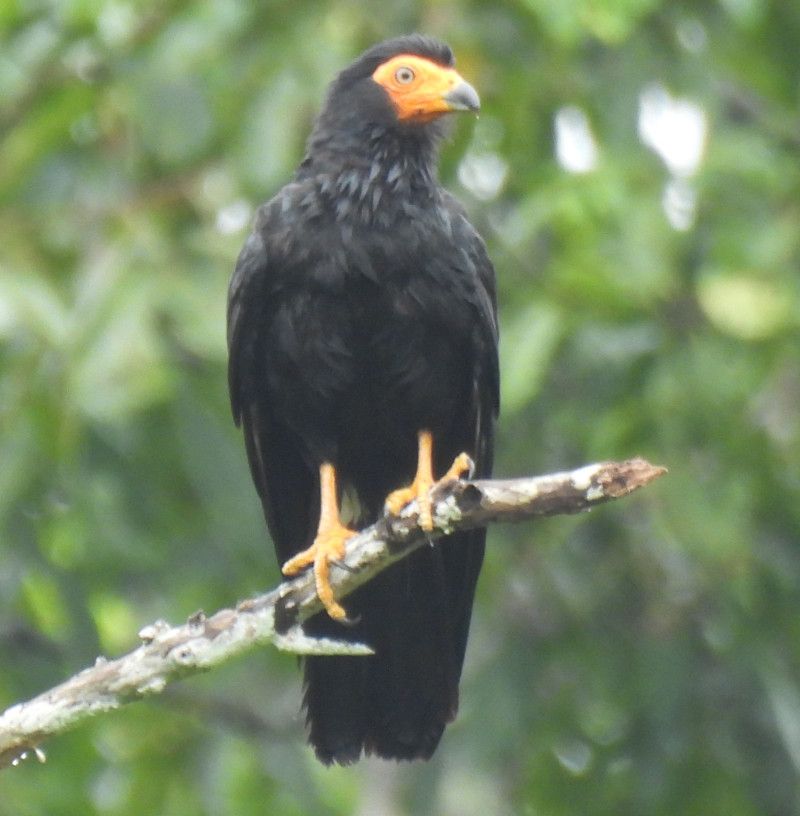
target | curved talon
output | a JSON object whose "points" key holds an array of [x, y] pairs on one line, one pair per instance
{"points": [[328, 547], [420, 488], [462, 466], [348, 621]]}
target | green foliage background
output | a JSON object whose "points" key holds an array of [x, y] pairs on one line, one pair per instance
{"points": [[644, 659]]}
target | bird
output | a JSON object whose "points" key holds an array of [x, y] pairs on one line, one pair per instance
{"points": [[363, 361]]}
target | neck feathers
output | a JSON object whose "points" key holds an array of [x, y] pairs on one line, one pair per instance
{"points": [[364, 172]]}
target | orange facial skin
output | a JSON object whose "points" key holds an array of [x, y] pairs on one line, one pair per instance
{"points": [[421, 89]]}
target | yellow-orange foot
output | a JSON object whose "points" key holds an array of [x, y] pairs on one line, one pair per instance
{"points": [[420, 489], [462, 466], [329, 545]]}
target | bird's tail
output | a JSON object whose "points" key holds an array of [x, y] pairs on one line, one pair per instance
{"points": [[396, 703]]}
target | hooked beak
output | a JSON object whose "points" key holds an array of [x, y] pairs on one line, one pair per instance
{"points": [[463, 98]]}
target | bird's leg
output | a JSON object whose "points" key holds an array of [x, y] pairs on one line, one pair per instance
{"points": [[420, 488], [329, 543]]}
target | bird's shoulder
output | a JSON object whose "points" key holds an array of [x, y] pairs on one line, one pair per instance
{"points": [[467, 235], [469, 241], [298, 236], [280, 231]]}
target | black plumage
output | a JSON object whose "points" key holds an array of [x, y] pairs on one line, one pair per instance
{"points": [[361, 312]]}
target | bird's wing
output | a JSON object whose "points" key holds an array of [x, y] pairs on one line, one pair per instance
{"points": [[249, 276], [485, 299], [280, 474], [486, 395]]}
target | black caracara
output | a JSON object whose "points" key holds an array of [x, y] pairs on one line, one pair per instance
{"points": [[363, 356]]}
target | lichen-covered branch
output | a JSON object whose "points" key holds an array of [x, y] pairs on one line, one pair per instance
{"points": [[168, 653]]}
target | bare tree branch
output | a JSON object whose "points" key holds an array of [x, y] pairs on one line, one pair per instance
{"points": [[168, 653]]}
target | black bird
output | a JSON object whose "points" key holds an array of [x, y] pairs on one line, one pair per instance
{"points": [[363, 356]]}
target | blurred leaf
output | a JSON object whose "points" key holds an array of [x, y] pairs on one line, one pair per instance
{"points": [[44, 601], [744, 305], [528, 344]]}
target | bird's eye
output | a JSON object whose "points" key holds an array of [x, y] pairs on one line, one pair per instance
{"points": [[404, 75]]}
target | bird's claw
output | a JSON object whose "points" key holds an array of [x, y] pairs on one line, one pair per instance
{"points": [[420, 490], [328, 548], [462, 466]]}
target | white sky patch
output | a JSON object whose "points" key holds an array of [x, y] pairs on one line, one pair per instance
{"points": [[673, 128], [483, 174], [233, 217], [576, 147], [680, 204], [676, 130]]}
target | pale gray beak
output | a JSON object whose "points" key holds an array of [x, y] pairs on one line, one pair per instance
{"points": [[463, 98]]}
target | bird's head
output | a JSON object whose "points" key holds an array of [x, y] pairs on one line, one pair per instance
{"points": [[421, 89], [406, 84]]}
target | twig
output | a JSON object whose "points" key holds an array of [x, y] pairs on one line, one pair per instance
{"points": [[168, 653]]}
